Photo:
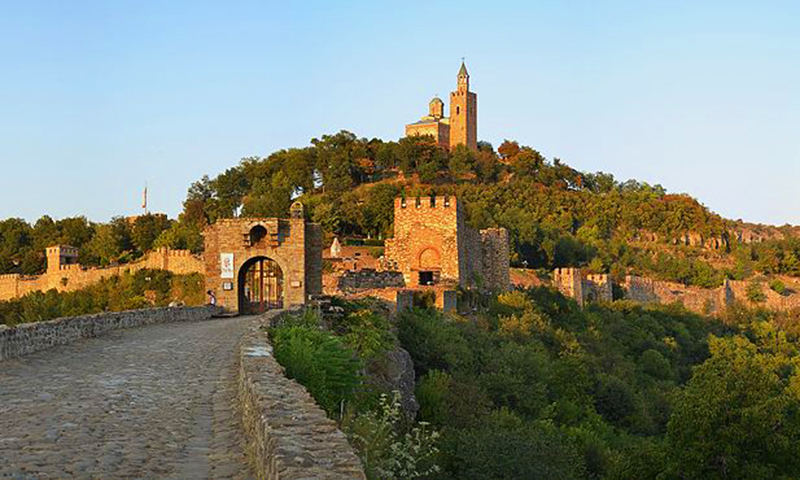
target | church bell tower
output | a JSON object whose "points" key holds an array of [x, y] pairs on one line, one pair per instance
{"points": [[463, 113]]}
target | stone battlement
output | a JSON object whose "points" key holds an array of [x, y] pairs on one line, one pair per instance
{"points": [[432, 245], [65, 274]]}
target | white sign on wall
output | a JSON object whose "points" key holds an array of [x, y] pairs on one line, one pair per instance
{"points": [[226, 265]]}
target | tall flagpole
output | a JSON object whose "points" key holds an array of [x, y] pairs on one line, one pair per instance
{"points": [[144, 199]]}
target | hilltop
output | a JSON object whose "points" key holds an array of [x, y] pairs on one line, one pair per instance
{"points": [[556, 215]]}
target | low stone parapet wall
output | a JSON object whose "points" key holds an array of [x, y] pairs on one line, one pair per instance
{"points": [[32, 337], [288, 434], [370, 279]]}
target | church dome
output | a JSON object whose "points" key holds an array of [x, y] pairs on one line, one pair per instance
{"points": [[436, 100]]}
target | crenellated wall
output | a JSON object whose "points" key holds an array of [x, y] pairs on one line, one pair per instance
{"points": [[431, 235], [574, 283], [73, 276]]}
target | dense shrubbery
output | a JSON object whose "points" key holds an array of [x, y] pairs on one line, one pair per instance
{"points": [[334, 358], [536, 388], [321, 362], [145, 288]]}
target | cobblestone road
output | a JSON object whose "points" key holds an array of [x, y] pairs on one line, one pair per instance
{"points": [[152, 402]]}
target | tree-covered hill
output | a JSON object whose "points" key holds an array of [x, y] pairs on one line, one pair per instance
{"points": [[556, 216]]}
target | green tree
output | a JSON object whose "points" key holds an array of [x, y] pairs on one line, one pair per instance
{"points": [[737, 417], [146, 230], [462, 161]]}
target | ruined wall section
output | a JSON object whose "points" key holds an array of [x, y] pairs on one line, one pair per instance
{"points": [[367, 279], [495, 258], [313, 252], [597, 288], [568, 281], [471, 266]]}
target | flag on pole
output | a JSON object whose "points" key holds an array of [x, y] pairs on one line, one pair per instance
{"points": [[144, 199]]}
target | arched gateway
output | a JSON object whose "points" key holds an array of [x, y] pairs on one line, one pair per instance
{"points": [[257, 264], [260, 286]]}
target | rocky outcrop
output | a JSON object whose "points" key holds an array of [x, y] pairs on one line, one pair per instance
{"points": [[395, 372]]}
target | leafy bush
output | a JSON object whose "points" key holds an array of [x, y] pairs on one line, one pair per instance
{"points": [[755, 293], [388, 448], [506, 447], [321, 362], [433, 342], [367, 333], [777, 286]]}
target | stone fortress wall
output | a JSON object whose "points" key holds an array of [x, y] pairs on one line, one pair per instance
{"points": [[65, 274], [583, 288]]}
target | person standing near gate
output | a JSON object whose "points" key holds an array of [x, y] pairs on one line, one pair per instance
{"points": [[212, 299]]}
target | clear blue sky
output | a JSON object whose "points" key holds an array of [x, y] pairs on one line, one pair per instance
{"points": [[97, 98]]}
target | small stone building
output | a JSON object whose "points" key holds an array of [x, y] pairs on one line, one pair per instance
{"points": [[256, 264], [432, 245]]}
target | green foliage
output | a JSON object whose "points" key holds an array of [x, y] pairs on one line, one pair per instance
{"points": [[367, 333], [594, 386], [433, 343], [737, 417], [147, 229], [755, 293], [124, 292], [777, 286], [321, 362], [390, 449], [507, 447]]}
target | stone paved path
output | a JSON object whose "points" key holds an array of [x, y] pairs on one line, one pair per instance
{"points": [[152, 402]]}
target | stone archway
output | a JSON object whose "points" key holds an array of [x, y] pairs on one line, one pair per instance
{"points": [[260, 286], [429, 265]]}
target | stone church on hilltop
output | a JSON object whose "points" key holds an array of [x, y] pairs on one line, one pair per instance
{"points": [[461, 127]]}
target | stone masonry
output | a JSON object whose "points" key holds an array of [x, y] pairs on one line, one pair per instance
{"points": [[461, 127], [584, 288], [432, 245], [65, 274], [294, 244], [288, 434], [573, 283], [28, 338]]}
